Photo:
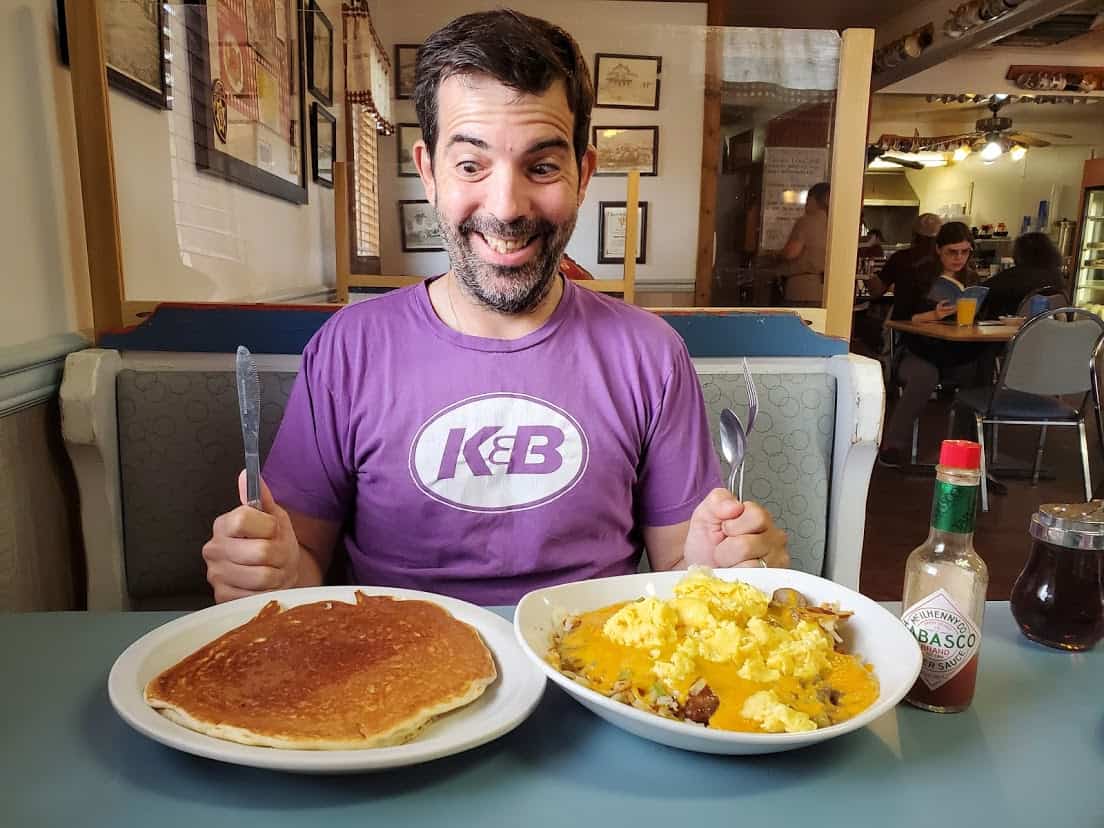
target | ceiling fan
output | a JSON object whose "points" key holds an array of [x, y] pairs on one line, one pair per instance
{"points": [[874, 152], [993, 135]]}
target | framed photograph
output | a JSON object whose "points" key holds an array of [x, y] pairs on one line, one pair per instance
{"points": [[611, 232], [406, 135], [135, 44], [625, 148], [319, 40], [418, 223], [247, 93], [323, 143], [627, 81], [405, 56]]}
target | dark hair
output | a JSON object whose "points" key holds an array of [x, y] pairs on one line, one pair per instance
{"points": [[820, 193], [953, 232], [522, 52], [1037, 251]]}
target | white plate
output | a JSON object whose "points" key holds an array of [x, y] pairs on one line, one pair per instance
{"points": [[872, 632], [502, 707]]}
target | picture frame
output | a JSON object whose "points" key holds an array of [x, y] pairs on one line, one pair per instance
{"points": [[611, 232], [406, 54], [418, 227], [627, 81], [319, 40], [406, 135], [247, 110], [136, 49], [625, 148], [323, 128]]}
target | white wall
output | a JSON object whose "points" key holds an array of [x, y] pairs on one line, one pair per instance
{"points": [[1007, 190], [270, 249], [43, 279], [671, 30], [189, 236]]}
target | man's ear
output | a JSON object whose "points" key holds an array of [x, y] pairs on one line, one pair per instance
{"points": [[586, 171], [424, 163]]}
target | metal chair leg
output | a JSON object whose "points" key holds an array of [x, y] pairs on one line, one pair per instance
{"points": [[1085, 458], [1038, 456], [915, 438], [996, 437], [980, 423]]}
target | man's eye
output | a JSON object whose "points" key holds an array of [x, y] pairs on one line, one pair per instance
{"points": [[468, 167], [545, 169]]}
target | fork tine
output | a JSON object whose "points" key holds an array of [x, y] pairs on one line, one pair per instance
{"points": [[752, 396]]}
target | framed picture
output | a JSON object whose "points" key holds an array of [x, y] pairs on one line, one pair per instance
{"points": [[406, 135], [418, 223], [626, 81], [625, 148], [323, 142], [318, 37], [611, 232], [135, 44], [406, 54], [246, 86]]}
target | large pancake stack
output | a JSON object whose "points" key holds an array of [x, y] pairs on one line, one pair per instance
{"points": [[328, 675]]}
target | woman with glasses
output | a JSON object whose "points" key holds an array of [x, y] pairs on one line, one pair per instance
{"points": [[927, 362]]}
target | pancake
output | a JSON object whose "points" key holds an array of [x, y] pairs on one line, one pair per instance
{"points": [[328, 675]]}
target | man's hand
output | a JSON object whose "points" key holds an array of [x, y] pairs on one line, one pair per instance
{"points": [[251, 551], [727, 532]]}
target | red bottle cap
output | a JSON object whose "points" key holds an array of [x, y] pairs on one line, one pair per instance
{"points": [[960, 454]]}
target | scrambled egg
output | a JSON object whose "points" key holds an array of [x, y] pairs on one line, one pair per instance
{"points": [[768, 672]]}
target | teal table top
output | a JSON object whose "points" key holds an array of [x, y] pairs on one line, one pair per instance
{"points": [[1029, 752]]}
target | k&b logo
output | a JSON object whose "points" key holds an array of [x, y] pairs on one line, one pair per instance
{"points": [[498, 453]]}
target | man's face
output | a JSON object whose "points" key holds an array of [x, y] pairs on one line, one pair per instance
{"points": [[506, 187]]}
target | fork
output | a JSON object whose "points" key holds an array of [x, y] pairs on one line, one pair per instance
{"points": [[753, 411]]}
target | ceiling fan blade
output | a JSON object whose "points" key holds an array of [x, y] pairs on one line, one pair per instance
{"points": [[903, 162], [1028, 140], [1044, 132]]}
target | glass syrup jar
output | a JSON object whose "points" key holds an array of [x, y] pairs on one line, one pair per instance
{"points": [[1058, 599]]}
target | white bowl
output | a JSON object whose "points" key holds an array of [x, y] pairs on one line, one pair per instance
{"points": [[872, 632]]}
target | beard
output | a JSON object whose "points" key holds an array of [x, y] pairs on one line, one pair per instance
{"points": [[509, 290]]}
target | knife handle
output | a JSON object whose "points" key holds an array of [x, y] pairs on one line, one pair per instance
{"points": [[253, 480]]}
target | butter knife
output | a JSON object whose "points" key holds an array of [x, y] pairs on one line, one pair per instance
{"points": [[249, 407]]}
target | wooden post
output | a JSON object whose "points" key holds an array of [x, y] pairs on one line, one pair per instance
{"points": [[848, 166], [341, 230], [711, 152], [632, 209], [96, 156]]}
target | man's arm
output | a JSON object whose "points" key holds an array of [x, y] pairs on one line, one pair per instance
{"points": [[317, 539], [796, 243]]}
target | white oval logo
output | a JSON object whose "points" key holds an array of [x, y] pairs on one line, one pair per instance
{"points": [[498, 453]]}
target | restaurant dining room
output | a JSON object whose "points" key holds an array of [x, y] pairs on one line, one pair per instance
{"points": [[351, 359]]}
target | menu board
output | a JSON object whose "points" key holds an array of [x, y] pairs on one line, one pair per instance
{"points": [[788, 173]]}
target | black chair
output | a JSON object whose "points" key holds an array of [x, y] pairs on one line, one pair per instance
{"points": [[1045, 360]]}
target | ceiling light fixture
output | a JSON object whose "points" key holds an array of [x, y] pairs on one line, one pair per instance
{"points": [[1017, 152], [961, 153], [992, 150]]}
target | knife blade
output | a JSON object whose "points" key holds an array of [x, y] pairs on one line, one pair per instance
{"points": [[249, 407]]}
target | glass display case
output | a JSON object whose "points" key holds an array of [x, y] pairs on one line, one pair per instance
{"points": [[1089, 273]]}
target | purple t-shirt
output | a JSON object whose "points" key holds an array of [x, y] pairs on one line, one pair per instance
{"points": [[484, 468]]}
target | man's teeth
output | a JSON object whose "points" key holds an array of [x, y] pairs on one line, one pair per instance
{"points": [[505, 245]]}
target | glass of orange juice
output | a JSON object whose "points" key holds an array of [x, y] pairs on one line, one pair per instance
{"points": [[966, 310]]}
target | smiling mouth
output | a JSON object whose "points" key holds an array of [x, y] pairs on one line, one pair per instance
{"points": [[504, 246]]}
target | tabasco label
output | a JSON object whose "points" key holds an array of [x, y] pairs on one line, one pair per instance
{"points": [[948, 637]]}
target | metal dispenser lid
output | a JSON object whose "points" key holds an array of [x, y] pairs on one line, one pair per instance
{"points": [[1073, 525]]}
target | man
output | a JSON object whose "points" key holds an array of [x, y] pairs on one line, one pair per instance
{"points": [[903, 263], [495, 429], [805, 250]]}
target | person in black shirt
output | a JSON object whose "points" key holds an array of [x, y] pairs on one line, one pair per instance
{"points": [[1038, 266], [904, 262]]}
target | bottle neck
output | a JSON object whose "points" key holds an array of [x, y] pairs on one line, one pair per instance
{"points": [[954, 504]]}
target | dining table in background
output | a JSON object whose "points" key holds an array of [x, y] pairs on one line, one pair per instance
{"points": [[984, 332], [1028, 752]]}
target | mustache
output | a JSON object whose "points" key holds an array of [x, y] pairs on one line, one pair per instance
{"points": [[519, 230]]}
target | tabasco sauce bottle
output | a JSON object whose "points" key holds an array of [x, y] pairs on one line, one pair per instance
{"points": [[945, 583]]}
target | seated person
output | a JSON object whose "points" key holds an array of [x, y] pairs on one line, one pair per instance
{"points": [[1038, 266], [928, 361], [905, 262], [497, 429]]}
